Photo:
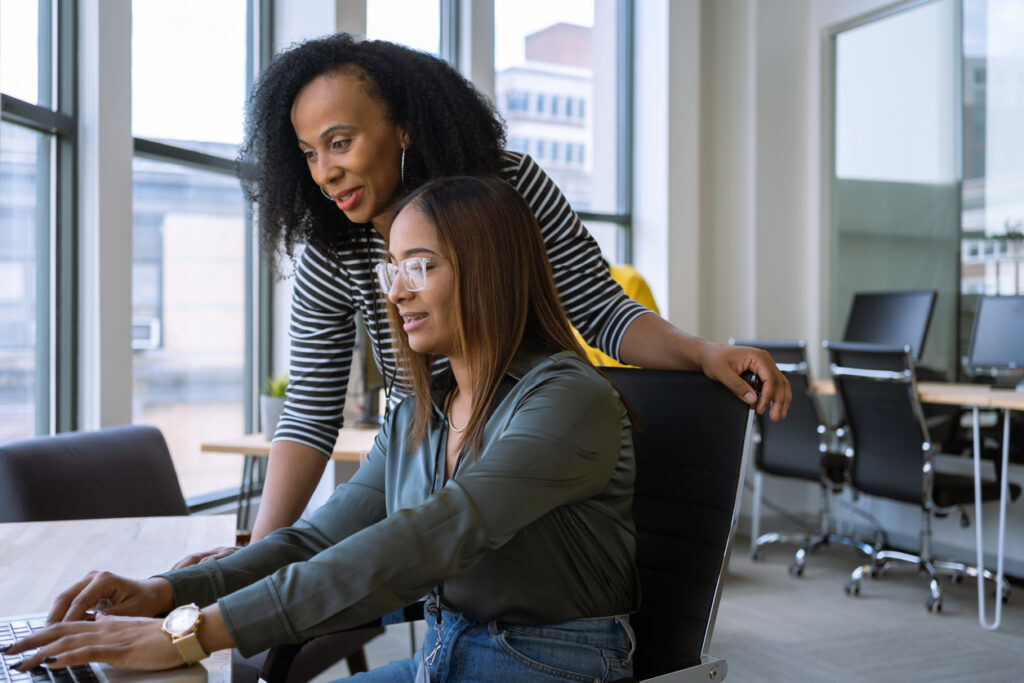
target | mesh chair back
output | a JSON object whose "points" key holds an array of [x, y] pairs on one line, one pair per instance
{"points": [[689, 451], [114, 472], [790, 447], [877, 389]]}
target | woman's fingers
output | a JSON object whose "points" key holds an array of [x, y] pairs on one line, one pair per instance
{"points": [[127, 642], [64, 599]]}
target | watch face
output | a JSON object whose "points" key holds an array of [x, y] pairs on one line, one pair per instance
{"points": [[181, 620]]}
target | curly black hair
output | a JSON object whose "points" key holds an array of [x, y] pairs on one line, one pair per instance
{"points": [[453, 129]]}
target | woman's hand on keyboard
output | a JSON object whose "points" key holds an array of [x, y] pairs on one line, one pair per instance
{"points": [[214, 554], [126, 642], [112, 594]]}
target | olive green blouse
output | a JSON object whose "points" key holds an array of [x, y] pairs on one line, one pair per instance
{"points": [[538, 529]]}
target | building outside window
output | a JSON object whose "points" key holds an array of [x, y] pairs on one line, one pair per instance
{"points": [[569, 48]]}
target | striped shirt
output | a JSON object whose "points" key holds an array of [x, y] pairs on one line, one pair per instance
{"points": [[328, 293]]}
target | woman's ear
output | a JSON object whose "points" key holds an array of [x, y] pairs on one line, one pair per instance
{"points": [[405, 138]]}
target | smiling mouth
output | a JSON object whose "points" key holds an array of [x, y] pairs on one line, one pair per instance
{"points": [[414, 317]]}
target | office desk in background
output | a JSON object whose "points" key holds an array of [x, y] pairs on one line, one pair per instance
{"points": [[352, 446], [40, 559], [975, 397]]}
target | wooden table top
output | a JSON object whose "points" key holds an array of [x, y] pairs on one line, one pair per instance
{"points": [[40, 559], [950, 393], [352, 445]]}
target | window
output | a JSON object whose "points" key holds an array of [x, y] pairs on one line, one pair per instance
{"points": [[517, 101], [991, 205], [190, 234], [36, 170], [416, 23], [579, 50], [23, 175]]}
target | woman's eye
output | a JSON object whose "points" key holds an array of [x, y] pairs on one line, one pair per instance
{"points": [[340, 144], [308, 154]]}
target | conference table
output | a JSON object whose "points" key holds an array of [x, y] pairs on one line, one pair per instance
{"points": [[40, 559], [975, 397], [352, 446]]}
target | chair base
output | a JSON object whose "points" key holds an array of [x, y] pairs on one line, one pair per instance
{"points": [[709, 669], [883, 559], [810, 544]]}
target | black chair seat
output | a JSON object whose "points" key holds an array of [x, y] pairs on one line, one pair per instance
{"points": [[953, 489]]}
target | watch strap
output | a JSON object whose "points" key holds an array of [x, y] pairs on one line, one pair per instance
{"points": [[189, 647]]}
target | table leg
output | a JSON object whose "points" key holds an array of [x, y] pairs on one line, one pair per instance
{"points": [[245, 492], [1003, 497]]}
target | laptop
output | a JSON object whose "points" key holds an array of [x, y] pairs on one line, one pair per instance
{"points": [[15, 628]]}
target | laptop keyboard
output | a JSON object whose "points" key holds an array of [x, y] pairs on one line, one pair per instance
{"points": [[16, 629]]}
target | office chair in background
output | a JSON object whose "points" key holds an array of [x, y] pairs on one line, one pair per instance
{"points": [[895, 459], [689, 441], [113, 472], [798, 447]]}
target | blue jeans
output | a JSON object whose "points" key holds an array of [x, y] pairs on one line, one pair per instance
{"points": [[598, 649]]}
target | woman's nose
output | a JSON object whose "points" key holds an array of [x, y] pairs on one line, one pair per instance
{"points": [[325, 171], [398, 292]]}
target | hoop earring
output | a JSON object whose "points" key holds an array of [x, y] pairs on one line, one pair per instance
{"points": [[324, 193], [403, 167]]}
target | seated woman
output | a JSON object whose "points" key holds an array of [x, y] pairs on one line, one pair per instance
{"points": [[501, 487]]}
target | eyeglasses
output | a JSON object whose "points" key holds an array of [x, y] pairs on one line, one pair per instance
{"points": [[413, 271]]}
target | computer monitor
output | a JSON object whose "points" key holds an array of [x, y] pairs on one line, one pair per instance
{"points": [[891, 318], [997, 340]]}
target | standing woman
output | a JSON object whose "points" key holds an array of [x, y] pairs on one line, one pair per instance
{"points": [[338, 130]]}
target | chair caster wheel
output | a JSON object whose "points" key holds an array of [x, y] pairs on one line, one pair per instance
{"points": [[852, 588], [934, 605], [796, 570], [957, 578], [755, 556]]}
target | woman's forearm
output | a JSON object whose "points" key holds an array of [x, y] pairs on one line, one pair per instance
{"points": [[293, 473], [650, 341]]}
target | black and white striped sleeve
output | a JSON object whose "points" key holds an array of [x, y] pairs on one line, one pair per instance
{"points": [[322, 333], [593, 301]]}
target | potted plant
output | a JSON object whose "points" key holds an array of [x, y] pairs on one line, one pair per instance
{"points": [[271, 404]]}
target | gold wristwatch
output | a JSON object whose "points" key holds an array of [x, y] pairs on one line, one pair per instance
{"points": [[182, 625]]}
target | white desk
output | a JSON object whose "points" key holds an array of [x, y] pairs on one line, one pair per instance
{"points": [[40, 559]]}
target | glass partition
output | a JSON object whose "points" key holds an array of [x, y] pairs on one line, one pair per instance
{"points": [[894, 191]]}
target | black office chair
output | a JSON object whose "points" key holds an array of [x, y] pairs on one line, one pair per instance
{"points": [[689, 444], [798, 448], [114, 472], [894, 457]]}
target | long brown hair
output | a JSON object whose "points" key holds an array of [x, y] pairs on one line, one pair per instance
{"points": [[504, 297]]}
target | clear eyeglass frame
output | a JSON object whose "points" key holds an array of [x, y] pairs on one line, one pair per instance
{"points": [[413, 271]]}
